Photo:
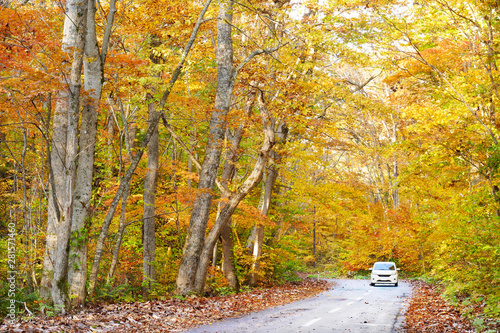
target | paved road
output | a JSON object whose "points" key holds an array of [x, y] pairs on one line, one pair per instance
{"points": [[350, 306]]}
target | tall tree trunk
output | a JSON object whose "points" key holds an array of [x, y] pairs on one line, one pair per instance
{"points": [[272, 175], [227, 176], [192, 151], [124, 184], [130, 136], [119, 237], [26, 217], [109, 143], [55, 166], [228, 257], [235, 198], [251, 239], [132, 128], [94, 77], [148, 228], [208, 174], [137, 157], [259, 236], [63, 158]]}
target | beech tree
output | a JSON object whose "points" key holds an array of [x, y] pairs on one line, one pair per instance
{"points": [[73, 158], [63, 157], [94, 61], [152, 128], [208, 172]]}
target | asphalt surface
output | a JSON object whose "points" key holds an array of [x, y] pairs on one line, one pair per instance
{"points": [[349, 306]]}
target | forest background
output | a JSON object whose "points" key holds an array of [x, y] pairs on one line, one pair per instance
{"points": [[158, 148]]}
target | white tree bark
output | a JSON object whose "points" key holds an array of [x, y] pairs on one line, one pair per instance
{"points": [[94, 78], [208, 174], [77, 267], [259, 232], [63, 159], [228, 172], [235, 198], [58, 153], [265, 204]]}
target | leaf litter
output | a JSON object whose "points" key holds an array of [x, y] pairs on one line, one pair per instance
{"points": [[428, 312], [172, 315]]}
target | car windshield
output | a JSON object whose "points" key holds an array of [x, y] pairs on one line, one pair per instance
{"points": [[384, 266]]}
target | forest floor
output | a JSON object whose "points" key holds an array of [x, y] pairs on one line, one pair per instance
{"points": [[426, 312], [172, 315]]}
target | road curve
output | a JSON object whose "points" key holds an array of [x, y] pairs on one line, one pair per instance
{"points": [[350, 306]]}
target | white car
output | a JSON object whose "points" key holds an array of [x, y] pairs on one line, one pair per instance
{"points": [[384, 272]]}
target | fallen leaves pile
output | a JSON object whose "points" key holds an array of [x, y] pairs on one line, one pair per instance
{"points": [[172, 315], [428, 312]]}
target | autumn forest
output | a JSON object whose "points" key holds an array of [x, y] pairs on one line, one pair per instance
{"points": [[153, 149]]}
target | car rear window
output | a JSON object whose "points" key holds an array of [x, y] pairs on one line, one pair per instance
{"points": [[384, 266]]}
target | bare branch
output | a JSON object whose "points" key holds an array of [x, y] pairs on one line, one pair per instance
{"points": [[224, 190], [107, 31], [251, 56]]}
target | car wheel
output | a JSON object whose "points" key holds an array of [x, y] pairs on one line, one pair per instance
{"points": [[372, 284], [395, 284]]}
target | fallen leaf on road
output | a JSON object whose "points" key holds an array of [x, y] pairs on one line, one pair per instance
{"points": [[172, 315]]}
